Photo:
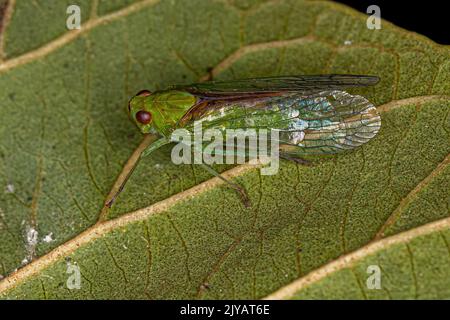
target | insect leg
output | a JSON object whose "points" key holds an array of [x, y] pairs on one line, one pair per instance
{"points": [[295, 159], [239, 189], [152, 147], [210, 76], [110, 202]]}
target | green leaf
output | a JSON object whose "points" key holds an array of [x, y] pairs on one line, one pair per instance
{"points": [[176, 233], [353, 276]]}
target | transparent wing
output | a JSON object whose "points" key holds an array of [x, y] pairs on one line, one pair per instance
{"points": [[255, 86], [331, 123], [327, 122]]}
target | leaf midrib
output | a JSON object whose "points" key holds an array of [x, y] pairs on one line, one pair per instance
{"points": [[350, 259]]}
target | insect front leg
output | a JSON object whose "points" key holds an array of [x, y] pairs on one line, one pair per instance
{"points": [[152, 147], [239, 189]]}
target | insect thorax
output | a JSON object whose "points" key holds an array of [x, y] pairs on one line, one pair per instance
{"points": [[168, 107]]}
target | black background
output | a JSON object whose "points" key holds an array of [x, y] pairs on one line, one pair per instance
{"points": [[430, 18]]}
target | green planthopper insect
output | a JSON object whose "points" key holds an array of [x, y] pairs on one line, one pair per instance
{"points": [[312, 115]]}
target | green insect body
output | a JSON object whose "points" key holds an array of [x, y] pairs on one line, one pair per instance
{"points": [[325, 123], [312, 114]]}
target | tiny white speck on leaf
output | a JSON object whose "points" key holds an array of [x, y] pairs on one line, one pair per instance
{"points": [[32, 237], [9, 188], [348, 42], [158, 166], [48, 238]]}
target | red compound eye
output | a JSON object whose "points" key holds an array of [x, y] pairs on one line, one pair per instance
{"points": [[143, 117], [143, 93]]}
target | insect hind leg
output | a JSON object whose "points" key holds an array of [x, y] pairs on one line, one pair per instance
{"points": [[295, 159], [238, 188]]}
